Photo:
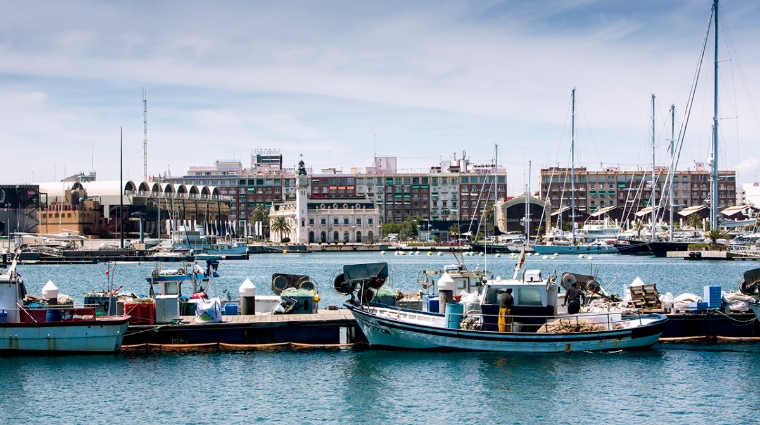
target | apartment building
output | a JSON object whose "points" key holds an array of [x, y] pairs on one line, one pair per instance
{"points": [[632, 190]]}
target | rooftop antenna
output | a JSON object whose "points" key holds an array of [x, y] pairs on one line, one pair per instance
{"points": [[145, 136], [92, 158]]}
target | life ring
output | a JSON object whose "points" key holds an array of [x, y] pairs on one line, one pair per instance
{"points": [[181, 271]]}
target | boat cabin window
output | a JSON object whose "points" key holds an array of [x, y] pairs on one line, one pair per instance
{"points": [[461, 284], [529, 296]]}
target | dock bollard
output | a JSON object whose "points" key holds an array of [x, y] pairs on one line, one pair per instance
{"points": [[247, 298]]}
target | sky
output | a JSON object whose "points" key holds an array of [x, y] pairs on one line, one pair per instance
{"points": [[340, 82]]}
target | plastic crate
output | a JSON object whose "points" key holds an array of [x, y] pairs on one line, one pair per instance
{"points": [[33, 315], [230, 309], [712, 296], [144, 313]]}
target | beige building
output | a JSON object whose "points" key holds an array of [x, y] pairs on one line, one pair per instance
{"points": [[632, 190]]}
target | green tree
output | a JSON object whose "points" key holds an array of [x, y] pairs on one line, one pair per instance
{"points": [[714, 235], [638, 226], [695, 221], [261, 213], [390, 228], [410, 228], [453, 229], [280, 225], [488, 217]]}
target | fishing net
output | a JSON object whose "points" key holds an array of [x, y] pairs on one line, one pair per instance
{"points": [[566, 326]]}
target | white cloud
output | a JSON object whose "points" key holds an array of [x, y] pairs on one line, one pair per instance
{"points": [[428, 78]]}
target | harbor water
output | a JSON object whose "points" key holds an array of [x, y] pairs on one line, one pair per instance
{"points": [[686, 383]]}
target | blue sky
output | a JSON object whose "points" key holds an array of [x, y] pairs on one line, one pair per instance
{"points": [[341, 81]]}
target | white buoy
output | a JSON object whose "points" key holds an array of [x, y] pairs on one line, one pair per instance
{"points": [[429, 253], [440, 254], [590, 257], [580, 255], [545, 257], [497, 255], [382, 252], [556, 254], [536, 254], [481, 254]]}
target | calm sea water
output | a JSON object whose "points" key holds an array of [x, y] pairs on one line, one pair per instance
{"points": [[685, 383]]}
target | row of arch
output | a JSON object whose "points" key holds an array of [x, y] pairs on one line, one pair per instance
{"points": [[148, 188], [336, 237]]}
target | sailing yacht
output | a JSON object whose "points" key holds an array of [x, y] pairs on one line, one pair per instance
{"points": [[560, 245]]}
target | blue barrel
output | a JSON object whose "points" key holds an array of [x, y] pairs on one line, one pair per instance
{"points": [[3, 316], [454, 314], [432, 304], [53, 315]]}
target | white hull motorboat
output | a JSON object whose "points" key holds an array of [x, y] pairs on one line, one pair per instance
{"points": [[101, 335]]}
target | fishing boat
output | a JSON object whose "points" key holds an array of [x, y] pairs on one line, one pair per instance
{"points": [[534, 327], [54, 328], [169, 281]]}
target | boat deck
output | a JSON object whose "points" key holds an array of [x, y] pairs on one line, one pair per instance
{"points": [[321, 316], [324, 327]]}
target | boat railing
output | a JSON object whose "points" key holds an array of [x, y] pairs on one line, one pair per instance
{"points": [[582, 322], [34, 313]]}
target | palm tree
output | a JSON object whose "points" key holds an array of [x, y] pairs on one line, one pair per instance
{"points": [[260, 213], [638, 226], [695, 221], [453, 230], [488, 213], [281, 225], [714, 235]]}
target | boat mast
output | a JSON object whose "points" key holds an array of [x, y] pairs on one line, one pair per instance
{"points": [[572, 174], [145, 137], [714, 188], [654, 184], [121, 186], [672, 165], [527, 206]]}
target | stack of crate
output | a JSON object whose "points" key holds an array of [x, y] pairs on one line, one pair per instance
{"points": [[646, 297], [712, 296]]}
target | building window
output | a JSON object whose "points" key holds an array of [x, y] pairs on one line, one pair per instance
{"points": [[311, 221], [335, 221], [358, 221]]}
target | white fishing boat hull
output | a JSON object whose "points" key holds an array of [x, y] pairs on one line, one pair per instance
{"points": [[87, 336], [575, 249], [383, 330]]}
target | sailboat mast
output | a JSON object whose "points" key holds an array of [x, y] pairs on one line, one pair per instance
{"points": [[714, 188], [527, 206], [672, 166], [572, 174], [654, 184]]}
